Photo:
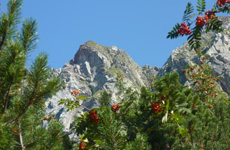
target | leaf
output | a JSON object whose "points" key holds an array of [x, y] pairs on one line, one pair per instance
{"points": [[174, 34], [214, 25], [187, 13], [165, 118], [182, 105], [82, 97], [62, 101], [225, 9], [193, 15], [76, 105], [214, 7], [185, 110], [195, 37], [201, 6], [165, 92], [183, 131]]}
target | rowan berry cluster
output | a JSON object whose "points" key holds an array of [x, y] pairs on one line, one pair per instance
{"points": [[115, 107], [119, 77], [200, 21], [81, 145], [93, 116], [204, 83], [209, 15], [221, 3], [75, 93], [156, 107], [51, 117], [184, 29]]}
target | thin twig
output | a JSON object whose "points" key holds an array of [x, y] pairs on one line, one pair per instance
{"points": [[20, 135]]}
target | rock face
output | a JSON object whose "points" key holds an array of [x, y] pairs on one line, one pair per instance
{"points": [[215, 45], [95, 67]]}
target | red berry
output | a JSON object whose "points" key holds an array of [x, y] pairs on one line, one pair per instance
{"points": [[81, 145], [163, 97], [93, 116], [200, 21], [184, 29], [115, 107]]}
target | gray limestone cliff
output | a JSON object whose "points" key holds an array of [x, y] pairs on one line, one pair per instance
{"points": [[93, 69], [215, 45]]}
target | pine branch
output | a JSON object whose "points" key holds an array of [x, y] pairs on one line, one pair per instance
{"points": [[25, 109], [113, 139], [10, 20], [14, 14], [29, 36], [3, 29], [30, 102], [7, 99], [13, 69], [39, 73]]}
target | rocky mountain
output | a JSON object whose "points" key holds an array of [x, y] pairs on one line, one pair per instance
{"points": [[217, 48], [94, 68]]}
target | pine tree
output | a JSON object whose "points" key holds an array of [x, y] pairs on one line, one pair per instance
{"points": [[23, 91]]}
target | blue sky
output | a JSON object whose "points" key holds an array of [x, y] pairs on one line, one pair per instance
{"points": [[139, 27]]}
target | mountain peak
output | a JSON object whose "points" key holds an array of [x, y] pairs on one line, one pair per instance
{"points": [[93, 70], [108, 59], [91, 43]]}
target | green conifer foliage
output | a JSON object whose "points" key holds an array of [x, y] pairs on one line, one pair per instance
{"points": [[23, 91]]}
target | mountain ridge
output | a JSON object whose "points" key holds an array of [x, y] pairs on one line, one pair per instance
{"points": [[94, 69]]}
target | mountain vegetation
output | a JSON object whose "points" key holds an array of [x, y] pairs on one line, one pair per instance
{"points": [[167, 115], [163, 115]]}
